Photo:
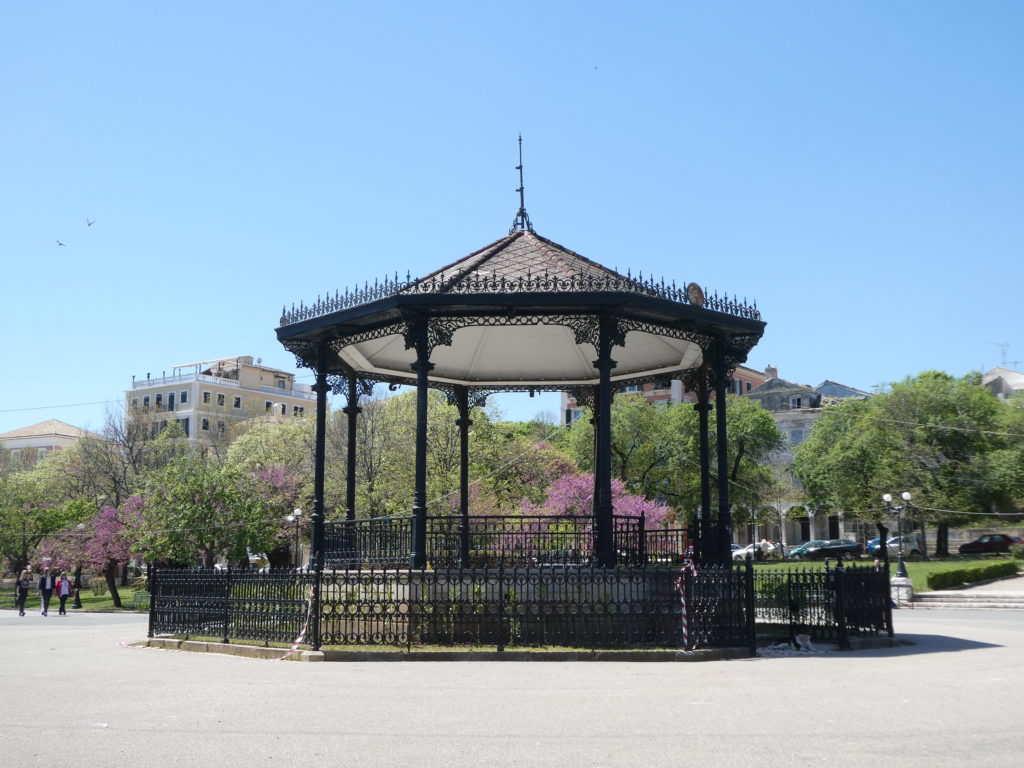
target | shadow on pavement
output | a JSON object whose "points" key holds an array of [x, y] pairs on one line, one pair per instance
{"points": [[915, 645]]}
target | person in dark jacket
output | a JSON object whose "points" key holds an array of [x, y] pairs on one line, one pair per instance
{"points": [[21, 587], [45, 587]]}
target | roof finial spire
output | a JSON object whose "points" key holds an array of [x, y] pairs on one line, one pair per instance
{"points": [[522, 220]]}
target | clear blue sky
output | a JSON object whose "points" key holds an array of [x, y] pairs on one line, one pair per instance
{"points": [[855, 167]]}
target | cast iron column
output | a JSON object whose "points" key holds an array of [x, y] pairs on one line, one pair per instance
{"points": [[703, 407], [352, 410], [724, 528], [321, 388], [604, 544], [422, 366], [463, 423]]}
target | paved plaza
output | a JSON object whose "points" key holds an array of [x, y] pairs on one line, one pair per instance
{"points": [[76, 694]]}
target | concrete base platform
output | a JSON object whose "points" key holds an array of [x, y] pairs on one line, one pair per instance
{"points": [[260, 652]]}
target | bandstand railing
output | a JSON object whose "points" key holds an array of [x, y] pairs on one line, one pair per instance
{"points": [[489, 540], [541, 604]]}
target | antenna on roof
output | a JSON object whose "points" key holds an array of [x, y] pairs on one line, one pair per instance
{"points": [[522, 220]]}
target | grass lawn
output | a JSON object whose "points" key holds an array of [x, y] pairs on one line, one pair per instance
{"points": [[90, 602], [918, 570]]}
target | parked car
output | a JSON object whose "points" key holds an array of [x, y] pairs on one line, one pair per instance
{"points": [[770, 550], [911, 545], [990, 543], [819, 550], [800, 550]]}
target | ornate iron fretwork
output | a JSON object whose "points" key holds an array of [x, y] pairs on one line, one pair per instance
{"points": [[440, 283], [339, 386], [477, 397], [369, 599], [583, 396], [440, 330], [305, 352]]}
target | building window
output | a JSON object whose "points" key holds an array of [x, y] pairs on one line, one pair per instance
{"points": [[170, 401], [206, 423], [794, 402], [183, 423], [630, 388], [268, 406], [297, 410], [237, 402], [280, 383], [145, 404], [184, 396], [220, 427], [284, 409], [159, 401], [135, 403], [748, 386], [206, 397], [796, 436], [220, 399], [663, 384]]}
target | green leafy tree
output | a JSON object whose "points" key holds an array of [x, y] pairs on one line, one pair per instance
{"points": [[946, 440], [655, 452], [197, 509]]}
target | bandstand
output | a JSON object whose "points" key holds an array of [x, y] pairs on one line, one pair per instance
{"points": [[520, 314]]}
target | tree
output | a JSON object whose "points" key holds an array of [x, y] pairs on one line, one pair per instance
{"points": [[194, 508], [655, 452], [33, 506], [572, 495], [948, 441]]}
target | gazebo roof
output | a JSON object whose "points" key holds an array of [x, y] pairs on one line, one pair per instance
{"points": [[519, 313], [521, 254]]}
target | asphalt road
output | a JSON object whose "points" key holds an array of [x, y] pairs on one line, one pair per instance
{"points": [[73, 695]]}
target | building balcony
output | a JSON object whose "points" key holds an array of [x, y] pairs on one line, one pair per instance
{"points": [[298, 391]]}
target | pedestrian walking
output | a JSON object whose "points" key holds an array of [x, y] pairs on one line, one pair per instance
{"points": [[63, 590], [21, 587], [45, 587]]}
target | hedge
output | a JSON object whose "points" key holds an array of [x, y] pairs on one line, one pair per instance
{"points": [[970, 574]]}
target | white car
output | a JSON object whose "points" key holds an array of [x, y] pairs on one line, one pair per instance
{"points": [[769, 550]]}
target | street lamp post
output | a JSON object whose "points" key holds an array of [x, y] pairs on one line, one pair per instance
{"points": [[295, 517], [901, 568]]}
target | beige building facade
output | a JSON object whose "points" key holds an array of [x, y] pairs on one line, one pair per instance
{"points": [[209, 398], [29, 444]]}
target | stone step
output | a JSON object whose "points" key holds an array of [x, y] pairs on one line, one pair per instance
{"points": [[928, 605], [965, 597]]}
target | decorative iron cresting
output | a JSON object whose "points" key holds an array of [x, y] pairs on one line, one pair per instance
{"points": [[477, 283]]}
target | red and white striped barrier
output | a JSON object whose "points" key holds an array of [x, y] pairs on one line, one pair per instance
{"points": [[305, 627], [688, 567]]}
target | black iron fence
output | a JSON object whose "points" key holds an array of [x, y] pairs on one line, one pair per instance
{"points": [[230, 605], [542, 605], [830, 605], [485, 541], [379, 542], [545, 604]]}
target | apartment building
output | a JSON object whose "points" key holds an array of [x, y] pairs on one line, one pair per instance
{"points": [[672, 391], [206, 399]]}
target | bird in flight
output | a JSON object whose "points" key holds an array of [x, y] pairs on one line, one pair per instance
{"points": [[59, 243], [89, 223]]}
